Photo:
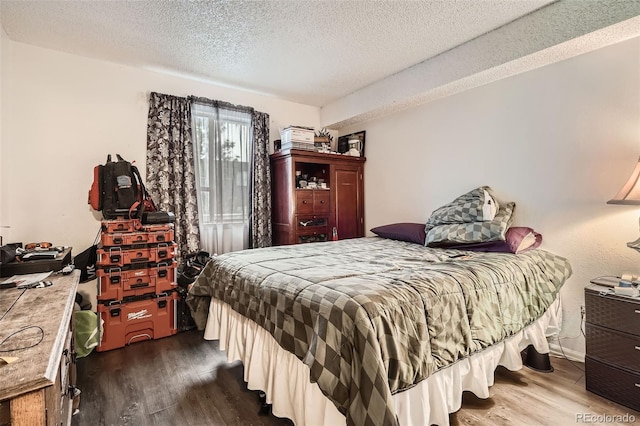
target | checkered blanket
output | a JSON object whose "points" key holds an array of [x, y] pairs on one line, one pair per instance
{"points": [[371, 317]]}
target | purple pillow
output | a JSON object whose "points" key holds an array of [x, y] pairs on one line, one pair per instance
{"points": [[516, 242], [410, 232], [487, 246], [519, 239]]}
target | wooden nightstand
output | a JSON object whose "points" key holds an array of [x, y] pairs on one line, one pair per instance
{"points": [[613, 346]]}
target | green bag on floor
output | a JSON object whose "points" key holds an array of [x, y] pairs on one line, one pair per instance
{"points": [[85, 332]]}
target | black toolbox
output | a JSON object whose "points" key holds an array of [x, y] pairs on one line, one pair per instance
{"points": [[36, 265]]}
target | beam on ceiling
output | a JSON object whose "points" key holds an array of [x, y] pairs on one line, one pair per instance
{"points": [[551, 34]]}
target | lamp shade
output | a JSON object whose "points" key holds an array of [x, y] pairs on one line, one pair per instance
{"points": [[630, 192]]}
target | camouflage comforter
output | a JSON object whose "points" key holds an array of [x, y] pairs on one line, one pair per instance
{"points": [[371, 317]]}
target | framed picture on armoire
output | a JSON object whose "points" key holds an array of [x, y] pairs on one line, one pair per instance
{"points": [[343, 142]]}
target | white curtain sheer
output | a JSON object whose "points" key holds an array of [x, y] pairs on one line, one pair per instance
{"points": [[222, 146]]}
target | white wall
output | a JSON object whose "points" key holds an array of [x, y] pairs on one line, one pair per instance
{"points": [[63, 114], [559, 141], [4, 55]]}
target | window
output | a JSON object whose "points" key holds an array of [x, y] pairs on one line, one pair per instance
{"points": [[222, 156], [222, 143]]}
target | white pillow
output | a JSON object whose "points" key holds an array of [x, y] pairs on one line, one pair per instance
{"points": [[490, 207]]}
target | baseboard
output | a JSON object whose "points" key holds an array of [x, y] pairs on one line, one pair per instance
{"points": [[563, 352]]}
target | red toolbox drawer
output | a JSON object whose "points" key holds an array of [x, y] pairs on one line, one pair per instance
{"points": [[133, 225], [130, 322], [157, 227], [121, 256], [116, 283], [121, 225], [134, 238]]}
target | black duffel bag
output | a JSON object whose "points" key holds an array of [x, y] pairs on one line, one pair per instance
{"points": [[188, 270], [8, 253], [191, 266]]}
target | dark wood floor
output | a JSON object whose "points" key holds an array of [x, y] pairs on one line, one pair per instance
{"points": [[185, 380]]}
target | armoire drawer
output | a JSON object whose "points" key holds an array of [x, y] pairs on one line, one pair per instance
{"points": [[321, 201], [304, 223], [310, 201]]}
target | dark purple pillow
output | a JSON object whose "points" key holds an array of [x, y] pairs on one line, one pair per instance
{"points": [[410, 232], [486, 246], [514, 240]]}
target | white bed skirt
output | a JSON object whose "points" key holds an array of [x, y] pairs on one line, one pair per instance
{"points": [[285, 379]]}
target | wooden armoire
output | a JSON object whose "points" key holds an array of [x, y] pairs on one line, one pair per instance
{"points": [[303, 215]]}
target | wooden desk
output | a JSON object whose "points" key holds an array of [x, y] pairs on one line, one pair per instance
{"points": [[34, 389]]}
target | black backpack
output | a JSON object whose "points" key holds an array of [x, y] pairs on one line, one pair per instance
{"points": [[116, 187]]}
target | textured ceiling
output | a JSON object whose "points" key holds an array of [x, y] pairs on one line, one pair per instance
{"points": [[312, 52], [357, 59]]}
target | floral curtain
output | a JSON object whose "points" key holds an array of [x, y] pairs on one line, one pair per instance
{"points": [[261, 192], [170, 167]]}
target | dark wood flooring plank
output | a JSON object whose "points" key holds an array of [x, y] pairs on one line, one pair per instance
{"points": [[182, 379], [186, 380]]}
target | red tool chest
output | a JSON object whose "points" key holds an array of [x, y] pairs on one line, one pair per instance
{"points": [[136, 282], [127, 322]]}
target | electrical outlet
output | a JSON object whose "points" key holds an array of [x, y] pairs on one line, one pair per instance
{"points": [[582, 310]]}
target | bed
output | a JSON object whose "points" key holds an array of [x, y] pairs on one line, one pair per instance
{"points": [[374, 331]]}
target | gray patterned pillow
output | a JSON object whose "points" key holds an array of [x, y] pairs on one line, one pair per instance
{"points": [[477, 205], [472, 232]]}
